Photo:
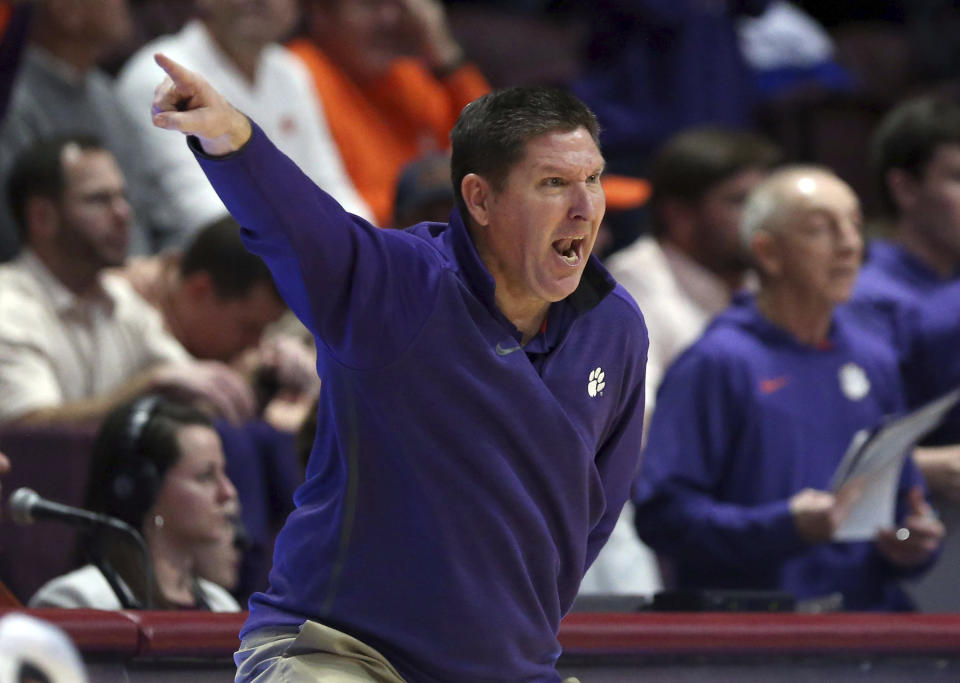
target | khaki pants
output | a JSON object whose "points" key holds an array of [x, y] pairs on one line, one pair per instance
{"points": [[316, 653]]}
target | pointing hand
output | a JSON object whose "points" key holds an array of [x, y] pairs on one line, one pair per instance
{"points": [[184, 101]]}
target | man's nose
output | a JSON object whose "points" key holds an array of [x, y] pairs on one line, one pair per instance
{"points": [[120, 207], [586, 203], [849, 238]]}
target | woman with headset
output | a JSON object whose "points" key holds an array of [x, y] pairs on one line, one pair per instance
{"points": [[157, 466]]}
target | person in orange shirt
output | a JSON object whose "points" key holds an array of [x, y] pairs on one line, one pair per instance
{"points": [[392, 80]]}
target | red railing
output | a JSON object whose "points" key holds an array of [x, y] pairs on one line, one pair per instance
{"points": [[214, 636]]}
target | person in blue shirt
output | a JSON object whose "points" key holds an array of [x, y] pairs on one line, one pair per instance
{"points": [[915, 156], [482, 404], [753, 419], [915, 160]]}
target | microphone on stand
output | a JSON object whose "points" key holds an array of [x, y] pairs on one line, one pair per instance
{"points": [[27, 506]]}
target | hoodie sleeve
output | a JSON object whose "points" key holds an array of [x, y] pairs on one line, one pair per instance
{"points": [[694, 433]]}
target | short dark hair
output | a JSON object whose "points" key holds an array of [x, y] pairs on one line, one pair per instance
{"points": [[492, 132], [908, 137], [218, 250], [692, 162], [37, 171]]}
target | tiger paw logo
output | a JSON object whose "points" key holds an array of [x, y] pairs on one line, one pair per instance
{"points": [[595, 384]]}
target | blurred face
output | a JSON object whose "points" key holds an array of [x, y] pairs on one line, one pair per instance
{"points": [[93, 213], [249, 21], [234, 324], [816, 246], [105, 23], [934, 201], [536, 233], [363, 36], [716, 222], [196, 498]]}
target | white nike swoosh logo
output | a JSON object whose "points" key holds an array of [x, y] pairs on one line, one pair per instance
{"points": [[501, 351]]}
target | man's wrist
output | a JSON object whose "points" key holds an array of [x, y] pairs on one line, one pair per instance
{"points": [[232, 141]]}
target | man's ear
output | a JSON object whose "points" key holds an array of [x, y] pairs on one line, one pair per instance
{"points": [[477, 193], [902, 186], [42, 219], [766, 253]]}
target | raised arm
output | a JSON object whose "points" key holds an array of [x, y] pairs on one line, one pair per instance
{"points": [[364, 292]]}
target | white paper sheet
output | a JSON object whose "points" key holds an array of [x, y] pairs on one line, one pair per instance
{"points": [[873, 462]]}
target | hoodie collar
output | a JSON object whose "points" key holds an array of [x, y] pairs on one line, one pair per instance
{"points": [[595, 284], [745, 313]]}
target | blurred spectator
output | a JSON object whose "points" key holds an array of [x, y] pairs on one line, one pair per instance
{"points": [[681, 276], [423, 191], [59, 90], [75, 341], [392, 80], [754, 418], [215, 297], [915, 159], [687, 270], [654, 67], [35, 651], [159, 467], [233, 44]]}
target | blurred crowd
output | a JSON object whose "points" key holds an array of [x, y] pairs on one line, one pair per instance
{"points": [[783, 203]]}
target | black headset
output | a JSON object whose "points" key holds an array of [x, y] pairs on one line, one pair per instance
{"points": [[136, 481]]}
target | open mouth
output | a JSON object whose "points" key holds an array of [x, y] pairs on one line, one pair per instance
{"points": [[570, 250]]}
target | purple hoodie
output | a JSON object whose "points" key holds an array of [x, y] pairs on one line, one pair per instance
{"points": [[460, 485], [747, 417]]}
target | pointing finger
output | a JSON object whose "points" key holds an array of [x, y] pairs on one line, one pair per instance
{"points": [[178, 73]]}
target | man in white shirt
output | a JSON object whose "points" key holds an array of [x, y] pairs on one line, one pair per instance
{"points": [[681, 275], [74, 341], [233, 43], [60, 89]]}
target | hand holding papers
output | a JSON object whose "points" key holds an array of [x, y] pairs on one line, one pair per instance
{"points": [[873, 463], [917, 539]]}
